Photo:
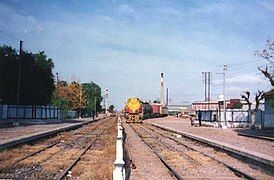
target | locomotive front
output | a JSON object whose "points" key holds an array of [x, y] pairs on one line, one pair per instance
{"points": [[133, 110]]}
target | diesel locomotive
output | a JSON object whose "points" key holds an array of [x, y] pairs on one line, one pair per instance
{"points": [[136, 111]]}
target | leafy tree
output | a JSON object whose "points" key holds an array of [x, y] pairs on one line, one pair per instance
{"points": [[93, 94], [36, 82], [8, 74], [69, 96]]}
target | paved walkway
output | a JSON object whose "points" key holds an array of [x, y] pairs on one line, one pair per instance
{"points": [[229, 136], [16, 135]]}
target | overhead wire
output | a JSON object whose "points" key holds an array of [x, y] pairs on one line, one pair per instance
{"points": [[11, 36]]}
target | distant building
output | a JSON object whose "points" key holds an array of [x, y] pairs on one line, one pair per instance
{"points": [[230, 104], [269, 111], [205, 105], [179, 109]]}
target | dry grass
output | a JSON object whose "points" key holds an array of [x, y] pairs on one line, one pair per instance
{"points": [[36, 160], [177, 160], [59, 161], [97, 163], [57, 158]]}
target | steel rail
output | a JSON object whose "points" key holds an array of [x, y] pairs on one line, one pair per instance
{"points": [[169, 167], [51, 145], [159, 139], [64, 173], [238, 172]]}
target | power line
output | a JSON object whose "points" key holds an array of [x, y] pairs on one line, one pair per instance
{"points": [[11, 36], [8, 41]]}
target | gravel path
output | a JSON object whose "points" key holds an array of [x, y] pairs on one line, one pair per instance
{"points": [[229, 136], [148, 165]]}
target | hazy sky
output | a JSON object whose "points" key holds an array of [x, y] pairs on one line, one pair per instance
{"points": [[125, 45]]}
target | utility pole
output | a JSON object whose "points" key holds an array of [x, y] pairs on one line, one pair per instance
{"points": [[224, 71], [106, 94], [95, 105], [57, 79], [208, 84], [80, 113], [19, 73], [205, 81]]}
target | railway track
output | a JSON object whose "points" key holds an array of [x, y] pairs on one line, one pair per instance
{"points": [[55, 158], [186, 158]]}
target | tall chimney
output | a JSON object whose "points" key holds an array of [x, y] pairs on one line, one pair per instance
{"points": [[162, 90], [166, 96]]}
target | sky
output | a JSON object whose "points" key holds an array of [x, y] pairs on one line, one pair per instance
{"points": [[125, 45]]}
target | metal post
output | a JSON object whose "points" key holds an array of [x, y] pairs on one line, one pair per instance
{"points": [[80, 113], [19, 73], [106, 105], [224, 71], [95, 105], [208, 84]]}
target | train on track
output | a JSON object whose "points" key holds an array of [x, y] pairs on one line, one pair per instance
{"points": [[136, 111]]}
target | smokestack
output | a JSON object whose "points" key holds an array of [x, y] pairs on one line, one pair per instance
{"points": [[166, 96], [162, 90]]}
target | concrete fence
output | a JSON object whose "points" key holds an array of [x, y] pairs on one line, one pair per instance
{"points": [[119, 170], [234, 117], [9, 112]]}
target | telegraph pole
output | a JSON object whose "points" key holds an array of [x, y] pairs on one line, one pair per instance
{"points": [[106, 94], [208, 83], [19, 73], [224, 71], [80, 113], [205, 81], [95, 105]]}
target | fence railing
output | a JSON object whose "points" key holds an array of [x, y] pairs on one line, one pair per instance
{"points": [[29, 112], [232, 115]]}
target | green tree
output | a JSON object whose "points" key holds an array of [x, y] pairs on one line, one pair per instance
{"points": [[8, 74], [36, 82], [92, 92]]}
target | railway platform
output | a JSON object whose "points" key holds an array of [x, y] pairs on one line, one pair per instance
{"points": [[255, 148], [14, 136]]}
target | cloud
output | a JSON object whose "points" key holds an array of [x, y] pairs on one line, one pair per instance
{"points": [[125, 8], [268, 6]]}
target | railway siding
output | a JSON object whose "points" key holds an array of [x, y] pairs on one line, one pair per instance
{"points": [[146, 164], [256, 156]]}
